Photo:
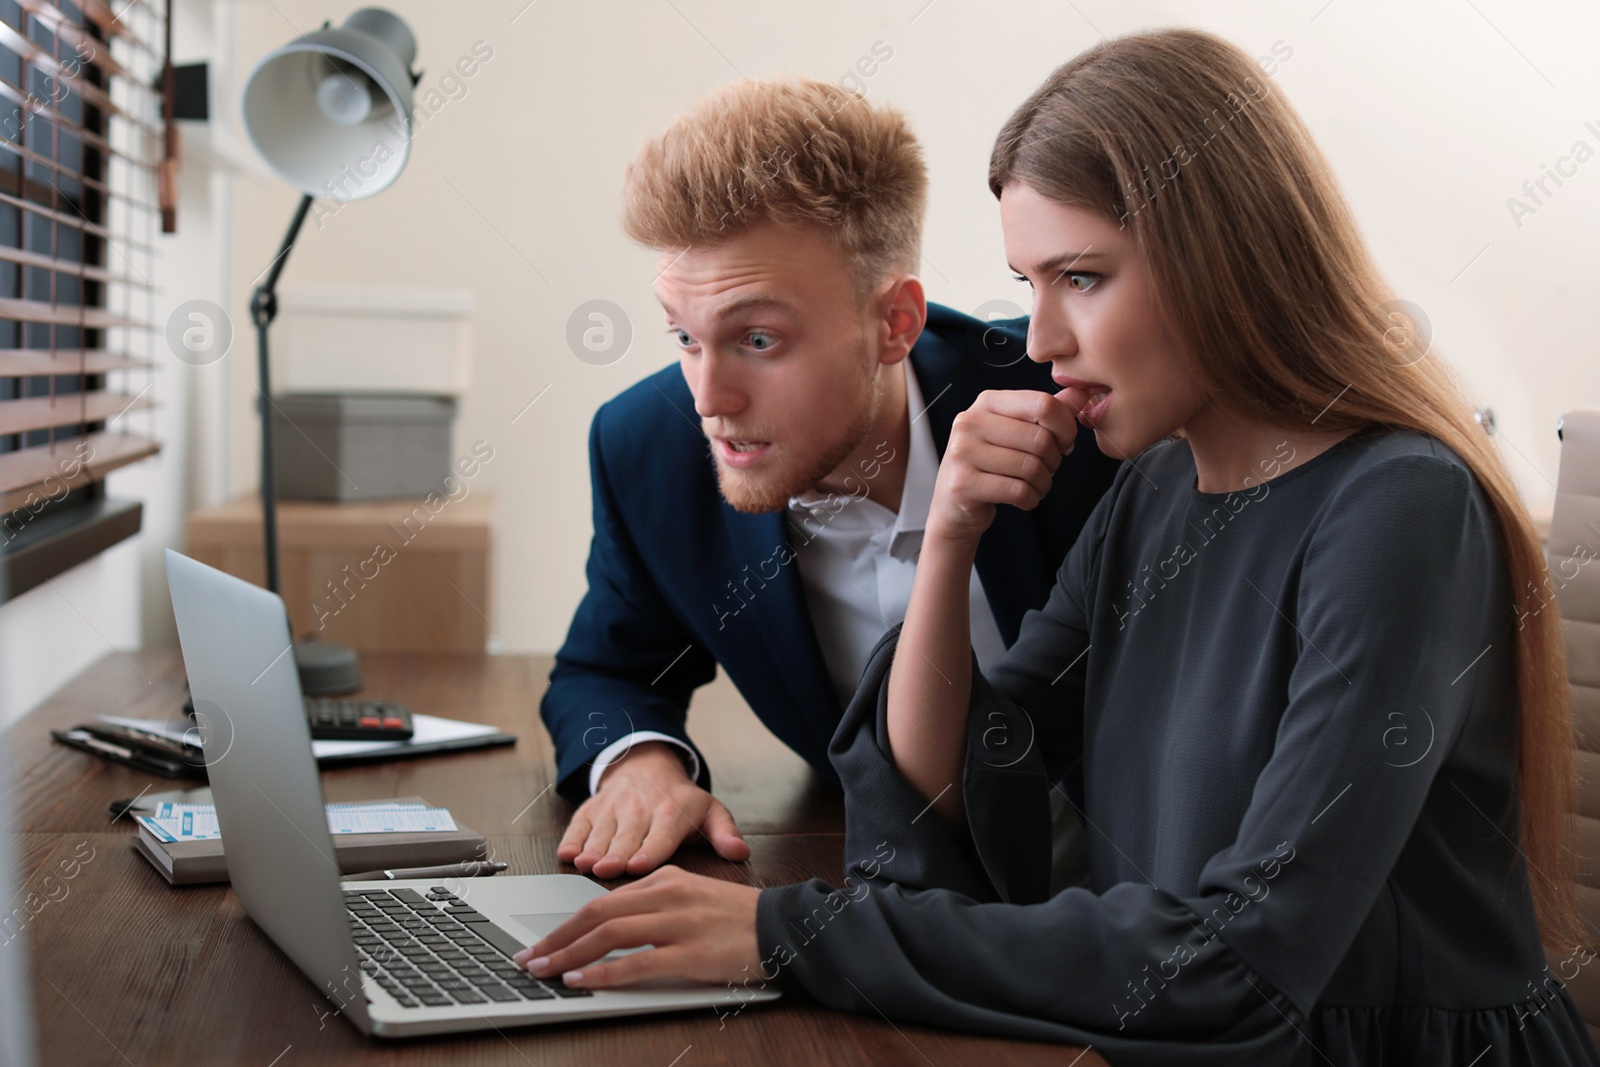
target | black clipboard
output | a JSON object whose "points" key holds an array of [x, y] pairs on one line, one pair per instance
{"points": [[406, 750], [173, 759]]}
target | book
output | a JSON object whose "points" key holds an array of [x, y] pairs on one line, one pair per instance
{"points": [[203, 862]]}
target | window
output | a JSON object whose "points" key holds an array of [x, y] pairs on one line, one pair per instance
{"points": [[80, 138]]}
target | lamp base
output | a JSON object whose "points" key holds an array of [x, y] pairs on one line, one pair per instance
{"points": [[326, 669]]}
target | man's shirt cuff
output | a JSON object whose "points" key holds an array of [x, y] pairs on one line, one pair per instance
{"points": [[617, 749]]}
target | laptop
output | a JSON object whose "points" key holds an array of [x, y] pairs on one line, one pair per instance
{"points": [[17, 1048], [394, 958]]}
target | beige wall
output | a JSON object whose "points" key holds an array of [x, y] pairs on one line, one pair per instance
{"points": [[1432, 119]]}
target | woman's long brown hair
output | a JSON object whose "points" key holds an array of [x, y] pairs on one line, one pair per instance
{"points": [[1259, 269]]}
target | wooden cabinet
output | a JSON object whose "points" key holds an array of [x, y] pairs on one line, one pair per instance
{"points": [[393, 576]]}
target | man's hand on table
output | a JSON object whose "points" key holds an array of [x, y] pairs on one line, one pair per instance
{"points": [[645, 808]]}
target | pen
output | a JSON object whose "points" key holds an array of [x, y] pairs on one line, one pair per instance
{"points": [[470, 869]]}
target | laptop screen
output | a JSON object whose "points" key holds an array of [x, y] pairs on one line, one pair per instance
{"points": [[246, 690]]}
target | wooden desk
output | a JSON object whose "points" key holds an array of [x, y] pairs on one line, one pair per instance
{"points": [[128, 970]]}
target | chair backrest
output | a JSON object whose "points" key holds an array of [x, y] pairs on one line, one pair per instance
{"points": [[1575, 585]]}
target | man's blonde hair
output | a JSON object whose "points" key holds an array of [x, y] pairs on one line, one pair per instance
{"points": [[792, 151]]}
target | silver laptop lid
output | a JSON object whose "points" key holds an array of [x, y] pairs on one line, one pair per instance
{"points": [[16, 1003], [246, 690]]}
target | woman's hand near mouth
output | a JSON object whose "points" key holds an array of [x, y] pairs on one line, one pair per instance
{"points": [[1004, 449]]}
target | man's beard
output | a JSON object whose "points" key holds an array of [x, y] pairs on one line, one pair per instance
{"points": [[790, 475]]}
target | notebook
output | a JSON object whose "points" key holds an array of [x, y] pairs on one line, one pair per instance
{"points": [[202, 862]]}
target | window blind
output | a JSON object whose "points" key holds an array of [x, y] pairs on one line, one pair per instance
{"points": [[82, 135]]}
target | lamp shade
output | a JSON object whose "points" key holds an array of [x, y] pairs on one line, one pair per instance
{"points": [[330, 111]]}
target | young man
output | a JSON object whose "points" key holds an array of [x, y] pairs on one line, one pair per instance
{"points": [[788, 217]]}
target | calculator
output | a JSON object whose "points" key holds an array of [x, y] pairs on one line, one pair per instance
{"points": [[345, 719]]}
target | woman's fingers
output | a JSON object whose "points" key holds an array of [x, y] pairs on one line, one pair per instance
{"points": [[628, 900], [1018, 434], [1075, 398], [984, 491], [989, 468], [1015, 434], [1058, 415], [634, 967], [576, 925], [698, 928], [1004, 449], [628, 931]]}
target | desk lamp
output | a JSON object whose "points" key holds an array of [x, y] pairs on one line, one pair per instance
{"points": [[330, 112]]}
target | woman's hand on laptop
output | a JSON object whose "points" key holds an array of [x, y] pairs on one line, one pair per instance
{"points": [[702, 929]]}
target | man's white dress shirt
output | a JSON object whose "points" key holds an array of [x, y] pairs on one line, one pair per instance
{"points": [[857, 560]]}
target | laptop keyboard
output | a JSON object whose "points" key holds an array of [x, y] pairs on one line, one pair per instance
{"points": [[435, 950]]}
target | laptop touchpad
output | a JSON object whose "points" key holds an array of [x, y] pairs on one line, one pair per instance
{"points": [[541, 925]]}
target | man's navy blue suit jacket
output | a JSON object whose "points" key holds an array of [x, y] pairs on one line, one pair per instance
{"points": [[679, 581]]}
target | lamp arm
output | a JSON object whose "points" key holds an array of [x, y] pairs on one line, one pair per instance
{"points": [[263, 309]]}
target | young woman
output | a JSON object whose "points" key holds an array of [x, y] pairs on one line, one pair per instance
{"points": [[1294, 667]]}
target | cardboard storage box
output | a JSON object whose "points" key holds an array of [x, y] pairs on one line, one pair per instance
{"points": [[360, 446]]}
